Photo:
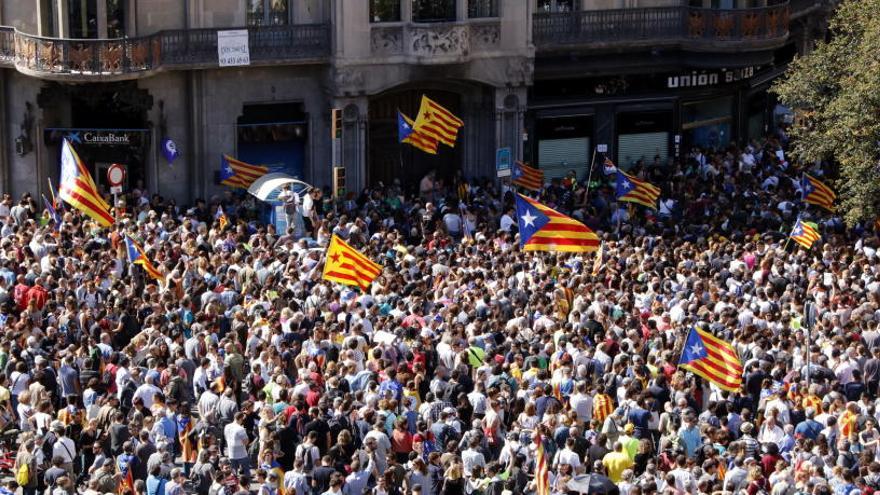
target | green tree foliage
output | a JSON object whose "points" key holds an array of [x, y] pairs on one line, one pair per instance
{"points": [[836, 91]]}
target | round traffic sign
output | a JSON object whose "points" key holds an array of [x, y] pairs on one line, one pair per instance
{"points": [[116, 175]]}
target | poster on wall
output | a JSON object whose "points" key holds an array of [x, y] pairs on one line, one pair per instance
{"points": [[232, 48]]}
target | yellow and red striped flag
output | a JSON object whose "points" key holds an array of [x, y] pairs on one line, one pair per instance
{"points": [[221, 218], [636, 191], [137, 256], [600, 259], [236, 173], [346, 265], [78, 189], [530, 178], [406, 133], [713, 359], [805, 233], [542, 228], [542, 469], [437, 122], [817, 193]]}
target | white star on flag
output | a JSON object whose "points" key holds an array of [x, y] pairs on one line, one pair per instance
{"points": [[696, 349], [626, 184], [529, 219]]}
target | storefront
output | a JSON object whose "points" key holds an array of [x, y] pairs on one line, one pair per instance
{"points": [[101, 148], [564, 144], [645, 117], [274, 135]]}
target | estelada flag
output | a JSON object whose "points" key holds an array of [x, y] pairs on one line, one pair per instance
{"points": [[78, 189], [542, 228], [236, 173], [407, 134], [817, 193], [712, 359], [528, 177], [346, 265]]}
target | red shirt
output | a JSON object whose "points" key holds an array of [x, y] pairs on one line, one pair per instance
{"points": [[38, 294], [401, 441]]}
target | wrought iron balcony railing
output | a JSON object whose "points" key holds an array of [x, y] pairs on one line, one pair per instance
{"points": [[174, 49], [680, 24]]}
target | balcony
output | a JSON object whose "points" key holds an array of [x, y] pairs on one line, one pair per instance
{"points": [[129, 58], [691, 28], [435, 43]]}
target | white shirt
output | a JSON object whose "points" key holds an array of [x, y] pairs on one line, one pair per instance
{"points": [[65, 449], [236, 441], [147, 393], [582, 405], [566, 456], [470, 459]]}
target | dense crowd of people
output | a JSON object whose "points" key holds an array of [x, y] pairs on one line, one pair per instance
{"points": [[243, 371]]}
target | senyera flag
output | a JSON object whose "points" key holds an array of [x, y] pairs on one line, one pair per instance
{"points": [[78, 189], [817, 193], [348, 266], [542, 228]]}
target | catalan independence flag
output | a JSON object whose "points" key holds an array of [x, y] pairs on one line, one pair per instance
{"points": [[137, 256], [437, 122], [530, 178], [346, 265], [78, 189], [407, 134], [805, 233], [221, 218], [126, 481], [817, 193], [713, 359], [236, 173], [542, 468], [636, 191], [542, 228]]}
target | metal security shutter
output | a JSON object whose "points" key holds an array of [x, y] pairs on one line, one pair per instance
{"points": [[633, 147], [557, 156]]}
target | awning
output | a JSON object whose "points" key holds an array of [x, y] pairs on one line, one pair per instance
{"points": [[267, 187]]}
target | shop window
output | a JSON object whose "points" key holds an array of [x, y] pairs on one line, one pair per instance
{"points": [[557, 5], [707, 123], [433, 10], [564, 145], [268, 12], [482, 8], [384, 10]]}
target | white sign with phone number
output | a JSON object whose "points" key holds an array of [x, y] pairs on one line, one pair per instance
{"points": [[232, 48]]}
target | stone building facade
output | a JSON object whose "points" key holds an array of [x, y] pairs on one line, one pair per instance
{"points": [[551, 80]]}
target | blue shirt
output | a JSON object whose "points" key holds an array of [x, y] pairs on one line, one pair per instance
{"points": [[155, 485], [809, 428], [690, 438]]}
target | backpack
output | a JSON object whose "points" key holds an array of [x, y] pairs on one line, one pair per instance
{"points": [[23, 476], [305, 453]]}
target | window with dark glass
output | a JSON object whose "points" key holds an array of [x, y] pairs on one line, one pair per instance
{"points": [[82, 18], [116, 18], [556, 5], [384, 10], [268, 12], [433, 10], [482, 8]]}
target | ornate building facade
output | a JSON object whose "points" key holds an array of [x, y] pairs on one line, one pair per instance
{"points": [[549, 79]]}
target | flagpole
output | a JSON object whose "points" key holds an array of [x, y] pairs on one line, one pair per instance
{"points": [[590, 177]]}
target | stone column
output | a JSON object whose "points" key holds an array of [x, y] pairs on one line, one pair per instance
{"points": [[63, 13], [102, 18], [406, 10], [461, 10], [354, 140]]}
